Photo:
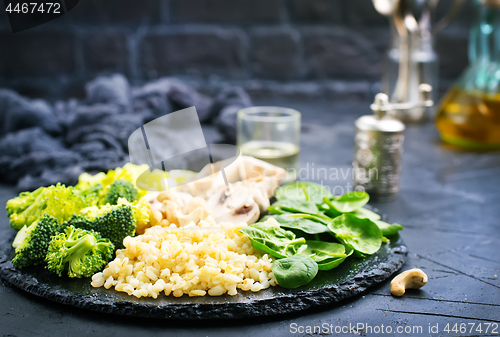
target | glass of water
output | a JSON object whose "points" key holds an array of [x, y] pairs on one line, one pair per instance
{"points": [[271, 134]]}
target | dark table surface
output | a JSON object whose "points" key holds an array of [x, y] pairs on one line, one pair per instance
{"points": [[449, 204]]}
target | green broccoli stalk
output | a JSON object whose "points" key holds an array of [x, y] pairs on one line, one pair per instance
{"points": [[32, 242], [21, 202], [120, 189], [112, 222], [81, 252], [59, 201]]}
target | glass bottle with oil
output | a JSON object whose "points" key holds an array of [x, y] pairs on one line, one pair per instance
{"points": [[469, 115]]}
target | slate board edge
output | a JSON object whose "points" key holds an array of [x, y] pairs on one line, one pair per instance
{"points": [[258, 308]]}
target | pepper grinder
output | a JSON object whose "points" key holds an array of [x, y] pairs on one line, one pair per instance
{"points": [[379, 146], [412, 59]]}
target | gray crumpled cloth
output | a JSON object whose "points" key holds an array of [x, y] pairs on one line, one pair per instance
{"points": [[42, 144]]}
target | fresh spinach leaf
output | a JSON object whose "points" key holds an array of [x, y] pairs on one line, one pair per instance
{"points": [[348, 202], [295, 206], [294, 271], [388, 229], [295, 191], [327, 255], [273, 240], [330, 210], [316, 217], [365, 213], [277, 210], [363, 235], [303, 222], [362, 212]]}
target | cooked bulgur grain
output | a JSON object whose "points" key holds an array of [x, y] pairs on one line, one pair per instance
{"points": [[194, 260]]}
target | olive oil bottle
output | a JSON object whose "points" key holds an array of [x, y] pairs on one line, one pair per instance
{"points": [[470, 119], [469, 114]]}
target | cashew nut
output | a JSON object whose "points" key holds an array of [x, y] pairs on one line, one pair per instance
{"points": [[410, 279]]}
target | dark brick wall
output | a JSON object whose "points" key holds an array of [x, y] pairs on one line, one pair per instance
{"points": [[335, 47]]}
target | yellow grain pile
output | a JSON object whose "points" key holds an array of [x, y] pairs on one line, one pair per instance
{"points": [[195, 260]]}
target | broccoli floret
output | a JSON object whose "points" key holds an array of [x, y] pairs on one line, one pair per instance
{"points": [[128, 172], [59, 201], [80, 221], [91, 194], [18, 240], [140, 211], [116, 225], [33, 241], [21, 202], [121, 189], [81, 252], [113, 222]]}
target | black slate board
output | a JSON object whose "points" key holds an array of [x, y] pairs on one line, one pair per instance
{"points": [[352, 277]]}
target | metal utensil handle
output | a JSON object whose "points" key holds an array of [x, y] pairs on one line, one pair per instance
{"points": [[448, 17], [381, 103]]}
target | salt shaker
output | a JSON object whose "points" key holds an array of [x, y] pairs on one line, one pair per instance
{"points": [[379, 146]]}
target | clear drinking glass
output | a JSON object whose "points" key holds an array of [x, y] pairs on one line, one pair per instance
{"points": [[271, 134]]}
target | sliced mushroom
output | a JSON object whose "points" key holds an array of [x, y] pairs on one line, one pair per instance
{"points": [[180, 198], [260, 196], [235, 206], [199, 187], [257, 169], [251, 190], [246, 169]]}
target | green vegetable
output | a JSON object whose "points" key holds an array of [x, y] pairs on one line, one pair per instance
{"points": [[112, 222], [120, 189], [273, 240], [80, 252], [18, 240], [362, 235], [348, 202], [388, 229], [294, 271], [295, 191], [33, 241], [303, 222], [21, 202], [330, 210], [277, 210], [298, 209], [327, 255], [140, 210], [129, 172], [364, 213], [58, 201], [295, 206]]}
